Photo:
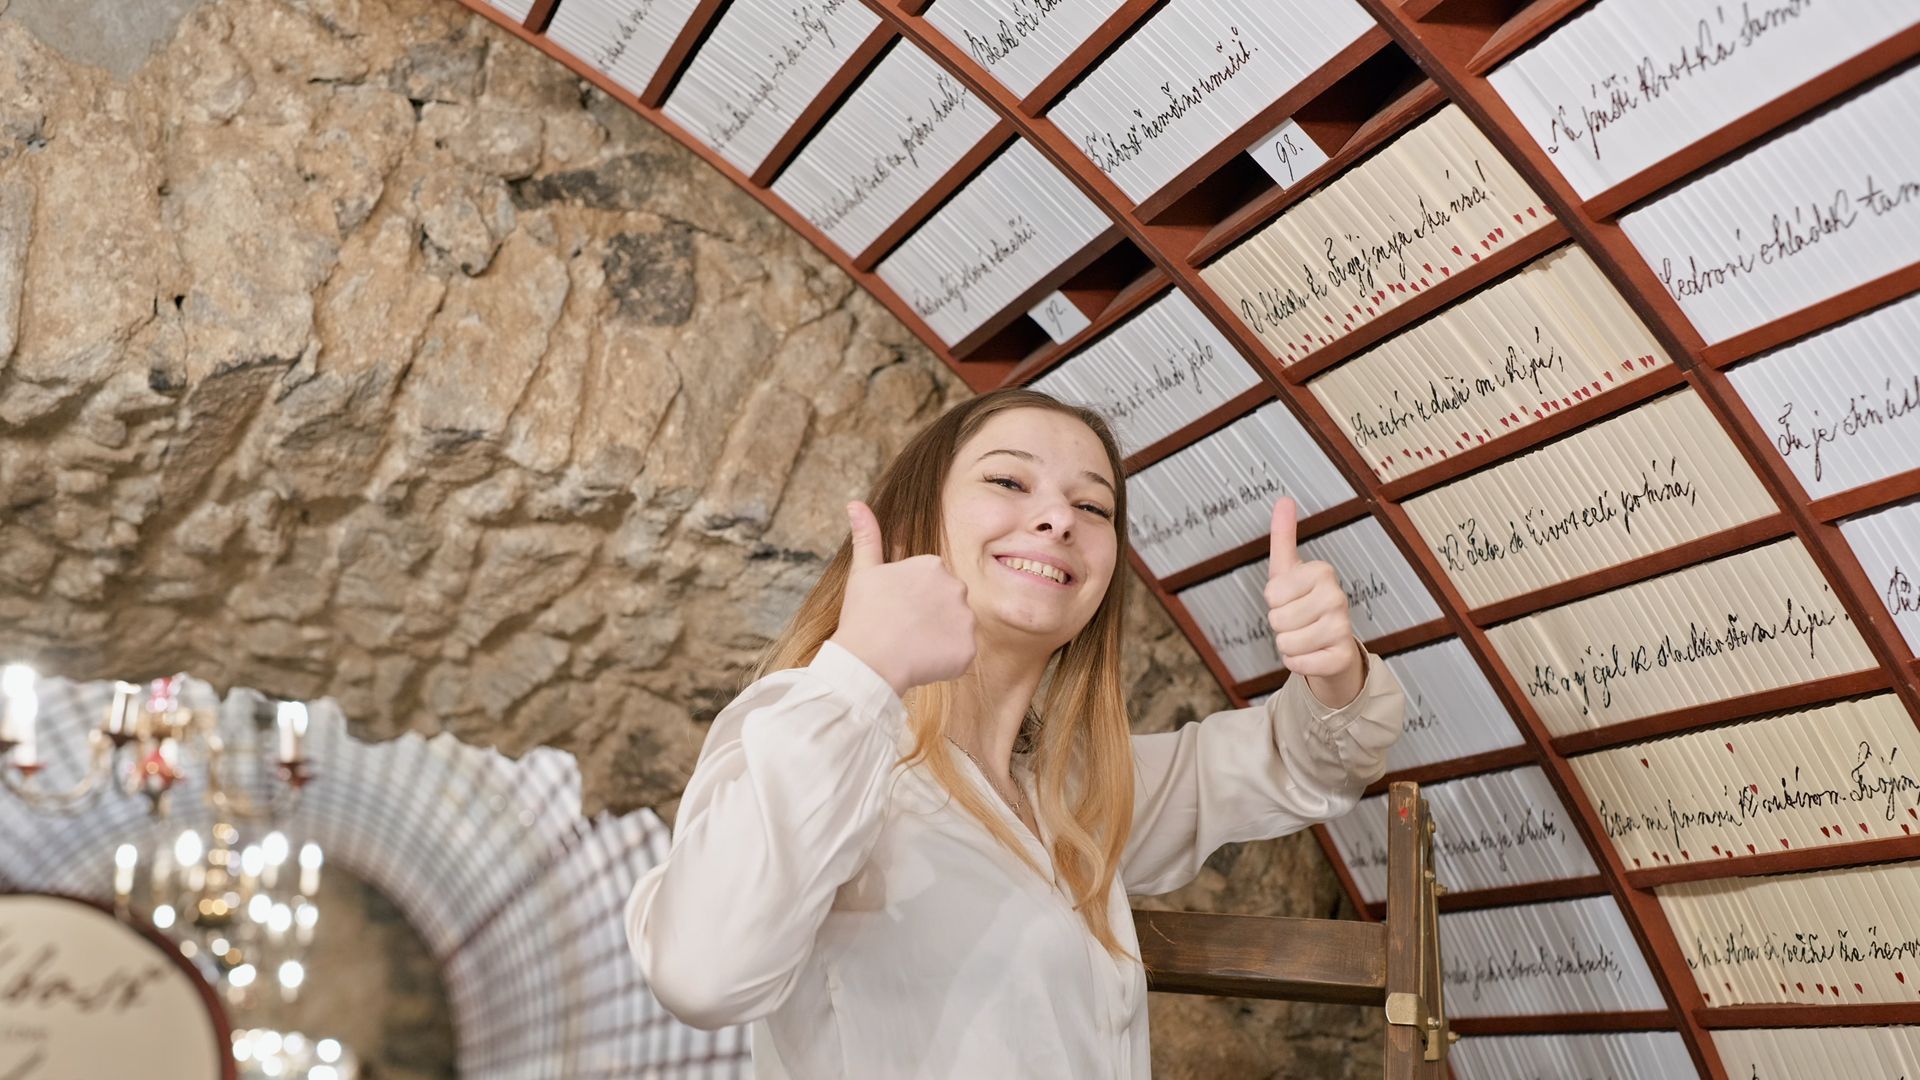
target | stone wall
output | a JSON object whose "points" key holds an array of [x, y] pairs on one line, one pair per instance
{"points": [[353, 348]]}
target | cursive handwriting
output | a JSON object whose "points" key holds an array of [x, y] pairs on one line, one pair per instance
{"points": [[1354, 262], [1601, 667], [955, 285], [948, 99], [1864, 413], [1616, 96], [1008, 35], [1111, 149], [811, 27], [1789, 234], [1468, 545]]}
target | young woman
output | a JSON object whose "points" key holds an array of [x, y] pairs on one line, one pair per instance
{"points": [[907, 848]]}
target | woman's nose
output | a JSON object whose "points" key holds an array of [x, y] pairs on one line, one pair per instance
{"points": [[1056, 520]]}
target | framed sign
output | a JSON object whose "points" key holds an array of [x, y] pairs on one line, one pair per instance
{"points": [[83, 993]]}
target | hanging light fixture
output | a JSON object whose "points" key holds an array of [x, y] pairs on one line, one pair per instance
{"points": [[141, 746]]}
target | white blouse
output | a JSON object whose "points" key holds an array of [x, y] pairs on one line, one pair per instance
{"points": [[867, 926]]}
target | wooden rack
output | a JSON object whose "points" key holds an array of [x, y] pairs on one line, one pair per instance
{"points": [[1425, 54], [1342, 962]]}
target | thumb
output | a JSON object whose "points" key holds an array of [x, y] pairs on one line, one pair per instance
{"points": [[868, 551], [1284, 549]]}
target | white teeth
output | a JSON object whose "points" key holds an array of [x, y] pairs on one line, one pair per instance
{"points": [[1037, 569]]}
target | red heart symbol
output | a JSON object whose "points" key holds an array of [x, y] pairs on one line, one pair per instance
{"points": [[1516, 219], [1428, 267], [1901, 975], [1729, 748], [1706, 995], [1858, 989], [1608, 374], [1750, 850], [1531, 212], [1684, 855], [1802, 987], [1636, 862], [1446, 271], [1863, 826], [1823, 830], [1500, 232], [1476, 256], [1783, 842], [1644, 765], [1456, 249], [1716, 849]]}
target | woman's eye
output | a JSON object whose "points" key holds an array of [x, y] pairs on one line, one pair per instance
{"points": [[1097, 509], [1007, 482]]}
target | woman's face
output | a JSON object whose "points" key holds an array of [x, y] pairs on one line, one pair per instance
{"points": [[1028, 509]]}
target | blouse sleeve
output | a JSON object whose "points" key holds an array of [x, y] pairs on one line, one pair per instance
{"points": [[1253, 774], [784, 806]]}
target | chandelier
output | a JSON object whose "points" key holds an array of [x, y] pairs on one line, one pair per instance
{"points": [[240, 912], [141, 746], [245, 916]]}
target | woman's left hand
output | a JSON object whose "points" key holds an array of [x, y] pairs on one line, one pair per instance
{"points": [[1308, 612]]}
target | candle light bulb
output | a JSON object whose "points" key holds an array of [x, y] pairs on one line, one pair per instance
{"points": [[17, 682], [187, 849], [121, 715], [291, 722], [125, 858], [310, 860]]}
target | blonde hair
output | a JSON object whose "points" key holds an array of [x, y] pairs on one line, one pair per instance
{"points": [[1077, 734]]}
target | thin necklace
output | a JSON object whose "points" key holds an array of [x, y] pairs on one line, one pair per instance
{"points": [[1018, 807]]}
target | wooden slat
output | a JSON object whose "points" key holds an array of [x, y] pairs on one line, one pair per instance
{"points": [[1565, 1023], [1216, 418], [1704, 549], [1390, 121], [1506, 757], [1883, 492], [1257, 548], [1523, 28], [1145, 289], [1885, 1014], [699, 26], [997, 139], [1260, 956], [1793, 860], [852, 71], [1532, 892], [1268, 118], [1088, 54], [1746, 706]]}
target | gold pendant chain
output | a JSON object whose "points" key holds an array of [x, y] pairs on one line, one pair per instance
{"points": [[1018, 807]]}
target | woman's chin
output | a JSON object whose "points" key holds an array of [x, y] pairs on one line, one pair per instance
{"points": [[1041, 631]]}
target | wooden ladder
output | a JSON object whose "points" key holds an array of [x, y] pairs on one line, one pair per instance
{"points": [[1396, 964]]}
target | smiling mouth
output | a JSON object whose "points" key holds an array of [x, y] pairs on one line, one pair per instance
{"points": [[1036, 569]]}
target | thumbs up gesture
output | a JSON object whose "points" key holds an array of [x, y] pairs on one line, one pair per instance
{"points": [[907, 620], [1308, 612]]}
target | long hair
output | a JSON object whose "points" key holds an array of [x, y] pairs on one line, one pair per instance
{"points": [[1077, 733]]}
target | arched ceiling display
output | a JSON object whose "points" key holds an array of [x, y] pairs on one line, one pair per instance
{"points": [[516, 895], [1581, 331]]}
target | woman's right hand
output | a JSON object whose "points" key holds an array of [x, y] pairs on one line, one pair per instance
{"points": [[907, 620]]}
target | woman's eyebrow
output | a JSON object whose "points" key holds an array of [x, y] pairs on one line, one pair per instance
{"points": [[1025, 456]]}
